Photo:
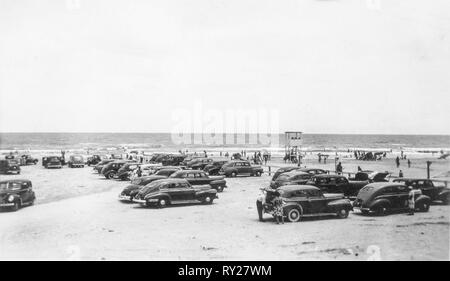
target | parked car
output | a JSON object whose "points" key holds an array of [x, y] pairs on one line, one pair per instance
{"points": [[27, 159], [136, 184], [173, 160], [95, 159], [312, 171], [196, 177], [213, 168], [160, 174], [428, 188], [8, 166], [125, 171], [111, 169], [370, 176], [76, 161], [16, 193], [99, 166], [52, 162], [291, 178], [165, 192], [304, 201], [337, 184], [240, 167], [382, 198], [198, 163]]}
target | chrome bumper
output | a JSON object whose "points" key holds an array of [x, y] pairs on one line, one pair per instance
{"points": [[6, 204], [125, 197]]}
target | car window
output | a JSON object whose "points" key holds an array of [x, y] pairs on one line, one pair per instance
{"points": [[401, 189], [3, 186], [313, 193], [190, 175], [246, 164], [15, 186], [300, 193]]}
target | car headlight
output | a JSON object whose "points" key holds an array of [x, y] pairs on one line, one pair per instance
{"points": [[10, 198]]}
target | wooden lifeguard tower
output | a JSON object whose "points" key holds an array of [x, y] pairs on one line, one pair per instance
{"points": [[293, 143]]}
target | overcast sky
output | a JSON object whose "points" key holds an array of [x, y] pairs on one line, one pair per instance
{"points": [[361, 66]]}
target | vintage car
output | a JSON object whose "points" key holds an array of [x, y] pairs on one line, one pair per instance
{"points": [[137, 183], [111, 169], [99, 166], [312, 171], [165, 192], [125, 171], [198, 163], [27, 159], [301, 201], [173, 160], [76, 161], [95, 159], [9, 166], [337, 184], [428, 188], [291, 178], [370, 176], [16, 193], [196, 177], [240, 167], [383, 197], [52, 162], [160, 174], [213, 168]]}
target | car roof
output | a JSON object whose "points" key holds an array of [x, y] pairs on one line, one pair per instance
{"points": [[411, 179], [170, 180], [298, 187], [329, 176], [15, 180], [191, 171], [294, 173], [380, 185]]}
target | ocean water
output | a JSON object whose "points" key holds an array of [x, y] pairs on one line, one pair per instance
{"points": [[166, 142]]}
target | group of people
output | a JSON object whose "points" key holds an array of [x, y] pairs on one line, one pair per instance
{"points": [[369, 156]]}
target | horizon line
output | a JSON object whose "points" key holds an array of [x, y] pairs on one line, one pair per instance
{"points": [[224, 133]]}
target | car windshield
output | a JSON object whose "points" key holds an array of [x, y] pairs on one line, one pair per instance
{"points": [[283, 177], [5, 186]]}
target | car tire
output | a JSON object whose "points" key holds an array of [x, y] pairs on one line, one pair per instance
{"points": [[342, 213], [163, 202], [111, 175], [424, 207], [381, 210], [294, 214], [233, 174]]}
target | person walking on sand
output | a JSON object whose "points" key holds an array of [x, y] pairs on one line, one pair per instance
{"points": [[339, 168], [400, 174], [139, 171], [409, 163], [359, 169], [278, 208], [397, 161]]}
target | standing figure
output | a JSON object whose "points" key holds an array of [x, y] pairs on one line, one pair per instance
{"points": [[409, 163], [400, 174], [278, 208], [397, 161]]}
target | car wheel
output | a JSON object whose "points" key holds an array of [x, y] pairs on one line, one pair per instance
{"points": [[207, 200], [380, 210], [424, 207], [220, 189], [294, 215], [162, 203], [233, 174], [258, 174], [111, 175], [342, 213]]}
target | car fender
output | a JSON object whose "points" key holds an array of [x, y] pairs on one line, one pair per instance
{"points": [[220, 182], [288, 205], [158, 196], [422, 199], [335, 205], [444, 193], [380, 202], [206, 191]]}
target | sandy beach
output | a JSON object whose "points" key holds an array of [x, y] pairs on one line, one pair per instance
{"points": [[77, 216]]}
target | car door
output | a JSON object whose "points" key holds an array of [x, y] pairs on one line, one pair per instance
{"points": [[401, 194], [202, 178], [316, 201], [247, 168], [185, 191]]}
